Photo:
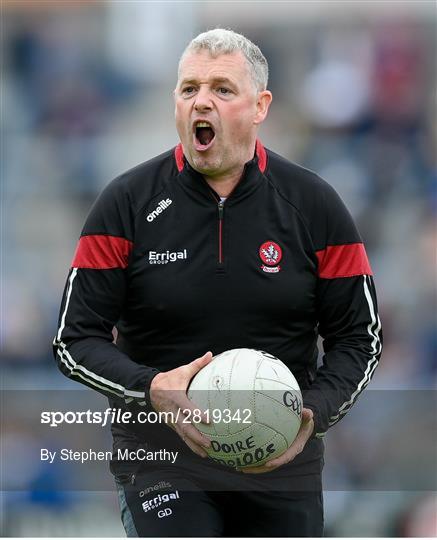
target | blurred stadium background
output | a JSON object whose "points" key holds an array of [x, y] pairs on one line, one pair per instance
{"points": [[87, 93]]}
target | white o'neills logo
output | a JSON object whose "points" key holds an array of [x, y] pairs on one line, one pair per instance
{"points": [[271, 254], [159, 209], [161, 485], [165, 257]]}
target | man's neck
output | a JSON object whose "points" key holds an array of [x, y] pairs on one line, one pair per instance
{"points": [[224, 186]]}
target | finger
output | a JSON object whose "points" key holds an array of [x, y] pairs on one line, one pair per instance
{"points": [[197, 412], [305, 432], [196, 436], [196, 365], [196, 448], [188, 431], [256, 470], [193, 444], [307, 414], [204, 415], [295, 449], [282, 460], [171, 425], [186, 404]]}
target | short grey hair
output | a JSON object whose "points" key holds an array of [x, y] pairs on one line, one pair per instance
{"points": [[220, 41]]}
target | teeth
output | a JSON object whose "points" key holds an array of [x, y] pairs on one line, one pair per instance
{"points": [[202, 124]]}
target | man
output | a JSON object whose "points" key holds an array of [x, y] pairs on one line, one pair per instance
{"points": [[171, 254]]}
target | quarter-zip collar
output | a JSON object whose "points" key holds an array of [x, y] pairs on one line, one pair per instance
{"points": [[250, 180]]}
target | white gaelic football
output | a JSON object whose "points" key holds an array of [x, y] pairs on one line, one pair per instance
{"points": [[254, 406]]}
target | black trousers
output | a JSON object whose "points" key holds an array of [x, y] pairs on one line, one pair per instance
{"points": [[169, 503]]}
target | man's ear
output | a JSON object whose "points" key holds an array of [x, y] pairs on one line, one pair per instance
{"points": [[262, 106]]}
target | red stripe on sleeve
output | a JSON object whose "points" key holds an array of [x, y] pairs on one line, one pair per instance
{"points": [[102, 252], [343, 261]]}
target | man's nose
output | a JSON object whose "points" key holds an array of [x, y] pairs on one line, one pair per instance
{"points": [[203, 100]]}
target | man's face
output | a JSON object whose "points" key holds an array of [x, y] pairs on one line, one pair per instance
{"points": [[217, 111]]}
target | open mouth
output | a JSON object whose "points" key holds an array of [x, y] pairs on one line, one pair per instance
{"points": [[204, 136]]}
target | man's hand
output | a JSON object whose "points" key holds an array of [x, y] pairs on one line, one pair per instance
{"points": [[304, 433], [168, 393]]}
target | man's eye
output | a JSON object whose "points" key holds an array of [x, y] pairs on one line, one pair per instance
{"points": [[223, 90], [188, 90]]}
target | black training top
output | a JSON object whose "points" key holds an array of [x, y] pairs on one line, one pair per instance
{"points": [[179, 273]]}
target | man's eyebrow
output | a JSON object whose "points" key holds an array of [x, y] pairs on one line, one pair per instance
{"points": [[188, 81], [214, 80], [222, 80]]}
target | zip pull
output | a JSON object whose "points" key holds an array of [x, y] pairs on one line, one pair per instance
{"points": [[220, 209]]}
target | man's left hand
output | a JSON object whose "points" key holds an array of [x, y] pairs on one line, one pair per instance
{"points": [[304, 433]]}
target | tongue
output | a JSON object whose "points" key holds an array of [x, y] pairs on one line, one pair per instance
{"points": [[205, 135]]}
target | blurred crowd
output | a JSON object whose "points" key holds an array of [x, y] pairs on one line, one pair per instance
{"points": [[87, 93]]}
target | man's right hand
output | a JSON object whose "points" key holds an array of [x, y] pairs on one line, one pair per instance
{"points": [[168, 393]]}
